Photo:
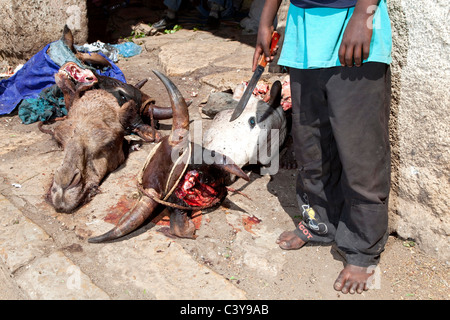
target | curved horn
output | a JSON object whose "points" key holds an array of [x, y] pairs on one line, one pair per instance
{"points": [[130, 221], [180, 122], [141, 83], [159, 113]]}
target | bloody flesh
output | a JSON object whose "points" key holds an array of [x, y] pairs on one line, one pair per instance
{"points": [[194, 192]]}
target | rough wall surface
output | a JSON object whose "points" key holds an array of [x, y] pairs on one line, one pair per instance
{"points": [[26, 26], [420, 123]]}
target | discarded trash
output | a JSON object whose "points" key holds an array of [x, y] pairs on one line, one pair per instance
{"points": [[16, 185], [10, 72], [108, 50], [128, 49]]}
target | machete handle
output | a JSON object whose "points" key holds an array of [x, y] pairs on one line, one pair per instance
{"points": [[275, 37]]}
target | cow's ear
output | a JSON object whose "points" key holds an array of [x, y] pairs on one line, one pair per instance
{"points": [[225, 163], [275, 94]]}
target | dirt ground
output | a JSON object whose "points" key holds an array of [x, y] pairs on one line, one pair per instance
{"points": [[235, 240]]}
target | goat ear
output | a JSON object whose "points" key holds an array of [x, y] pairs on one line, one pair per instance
{"points": [[67, 38]]}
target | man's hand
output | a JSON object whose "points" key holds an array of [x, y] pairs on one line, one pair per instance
{"points": [[265, 31], [263, 46], [355, 46]]}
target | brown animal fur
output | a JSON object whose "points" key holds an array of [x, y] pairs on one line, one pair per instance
{"points": [[92, 137]]}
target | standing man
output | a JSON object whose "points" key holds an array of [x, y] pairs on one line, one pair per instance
{"points": [[338, 53]]}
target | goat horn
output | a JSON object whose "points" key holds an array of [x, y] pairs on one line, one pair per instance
{"points": [[180, 122]]}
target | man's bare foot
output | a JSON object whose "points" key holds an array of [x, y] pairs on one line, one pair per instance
{"points": [[352, 279], [288, 240]]}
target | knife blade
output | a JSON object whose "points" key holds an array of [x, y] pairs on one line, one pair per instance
{"points": [[255, 78]]}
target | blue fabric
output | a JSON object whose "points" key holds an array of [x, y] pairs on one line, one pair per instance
{"points": [[324, 3], [37, 74], [313, 37], [49, 105]]}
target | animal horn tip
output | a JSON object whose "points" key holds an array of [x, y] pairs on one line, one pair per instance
{"points": [[104, 237], [156, 72], [95, 239]]}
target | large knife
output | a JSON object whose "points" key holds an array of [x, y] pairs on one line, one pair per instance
{"points": [[255, 78]]}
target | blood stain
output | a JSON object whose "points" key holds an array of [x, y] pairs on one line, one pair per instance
{"points": [[249, 222], [116, 211]]}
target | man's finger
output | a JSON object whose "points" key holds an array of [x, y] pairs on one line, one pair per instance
{"points": [[256, 56], [348, 58], [341, 55], [366, 51], [357, 55]]}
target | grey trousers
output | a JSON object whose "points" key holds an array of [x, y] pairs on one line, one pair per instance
{"points": [[340, 129]]}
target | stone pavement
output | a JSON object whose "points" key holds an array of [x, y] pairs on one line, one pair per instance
{"points": [[45, 255]]}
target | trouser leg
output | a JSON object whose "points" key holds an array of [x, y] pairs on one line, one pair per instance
{"points": [[340, 130], [318, 191], [359, 103], [173, 5]]}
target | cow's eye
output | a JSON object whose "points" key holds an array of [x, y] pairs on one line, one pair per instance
{"points": [[122, 96], [252, 122]]}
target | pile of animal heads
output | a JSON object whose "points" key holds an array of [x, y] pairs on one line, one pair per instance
{"points": [[161, 173], [94, 146]]}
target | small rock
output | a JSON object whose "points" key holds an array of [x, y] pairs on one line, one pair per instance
{"points": [[217, 102]]}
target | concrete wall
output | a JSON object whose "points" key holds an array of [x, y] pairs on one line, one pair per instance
{"points": [[26, 26], [420, 123]]}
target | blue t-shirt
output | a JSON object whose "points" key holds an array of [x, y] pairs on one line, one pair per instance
{"points": [[313, 36], [324, 3]]}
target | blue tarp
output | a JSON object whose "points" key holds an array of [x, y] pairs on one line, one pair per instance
{"points": [[37, 74]]}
